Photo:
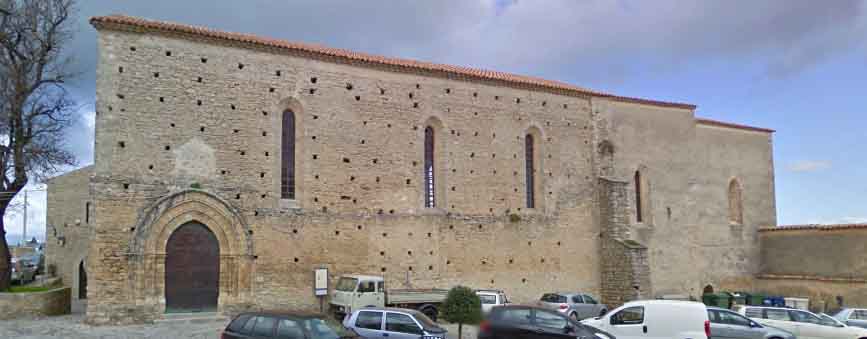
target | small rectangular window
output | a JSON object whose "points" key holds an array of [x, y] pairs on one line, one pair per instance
{"points": [[264, 327], [238, 323], [775, 314], [752, 312], [628, 316], [401, 323], [289, 329], [369, 320]]}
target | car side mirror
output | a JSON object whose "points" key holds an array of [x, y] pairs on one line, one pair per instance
{"points": [[754, 324]]}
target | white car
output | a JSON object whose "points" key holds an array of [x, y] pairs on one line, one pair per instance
{"points": [[803, 324], [491, 298], [669, 319]]}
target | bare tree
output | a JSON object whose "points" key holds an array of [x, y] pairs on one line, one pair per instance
{"points": [[35, 108]]}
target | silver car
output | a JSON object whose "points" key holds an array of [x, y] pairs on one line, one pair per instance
{"points": [[393, 323], [577, 306], [726, 324], [853, 317]]}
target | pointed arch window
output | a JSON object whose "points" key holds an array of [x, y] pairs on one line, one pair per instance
{"points": [[429, 172], [529, 158], [287, 152], [736, 213], [639, 208]]}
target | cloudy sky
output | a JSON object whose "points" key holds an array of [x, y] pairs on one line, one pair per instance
{"points": [[797, 66]]}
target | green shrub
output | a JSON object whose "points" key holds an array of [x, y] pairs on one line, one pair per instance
{"points": [[462, 306]]}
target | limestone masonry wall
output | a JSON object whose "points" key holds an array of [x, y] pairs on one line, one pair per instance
{"points": [[189, 129], [69, 225], [35, 304], [174, 113]]}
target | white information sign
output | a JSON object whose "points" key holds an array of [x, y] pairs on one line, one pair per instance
{"points": [[320, 284]]}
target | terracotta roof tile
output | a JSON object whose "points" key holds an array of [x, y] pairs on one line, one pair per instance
{"points": [[122, 22], [703, 121], [813, 227]]}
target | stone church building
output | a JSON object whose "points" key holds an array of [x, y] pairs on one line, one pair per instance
{"points": [[228, 167]]}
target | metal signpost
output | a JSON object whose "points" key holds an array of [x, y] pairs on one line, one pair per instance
{"points": [[320, 285]]}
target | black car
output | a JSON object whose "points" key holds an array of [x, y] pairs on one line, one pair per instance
{"points": [[527, 322], [285, 325]]}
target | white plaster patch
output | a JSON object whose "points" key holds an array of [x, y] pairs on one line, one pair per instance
{"points": [[195, 160]]}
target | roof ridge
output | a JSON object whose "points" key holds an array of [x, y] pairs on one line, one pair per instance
{"points": [[819, 227], [118, 21], [718, 123]]}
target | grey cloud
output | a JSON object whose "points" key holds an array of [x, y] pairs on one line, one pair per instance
{"points": [[598, 37]]}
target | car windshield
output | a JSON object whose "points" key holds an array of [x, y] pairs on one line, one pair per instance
{"points": [[346, 284], [326, 329], [553, 298], [488, 299]]}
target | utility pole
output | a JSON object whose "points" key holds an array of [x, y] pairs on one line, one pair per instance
{"points": [[24, 236]]}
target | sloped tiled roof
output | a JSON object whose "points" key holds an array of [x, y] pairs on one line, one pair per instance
{"points": [[710, 122], [813, 227], [122, 22]]}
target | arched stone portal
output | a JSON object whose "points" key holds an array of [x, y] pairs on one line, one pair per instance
{"points": [[192, 269], [159, 236]]}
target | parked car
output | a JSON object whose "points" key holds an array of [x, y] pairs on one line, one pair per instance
{"points": [[22, 271], [393, 323], [803, 324], [853, 317], [491, 298], [528, 322], [354, 292], [673, 319], [726, 324], [285, 325], [578, 306]]}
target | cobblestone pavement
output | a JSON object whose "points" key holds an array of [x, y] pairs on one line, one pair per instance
{"points": [[71, 326]]}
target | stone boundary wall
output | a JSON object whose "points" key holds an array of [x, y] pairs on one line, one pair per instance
{"points": [[794, 252], [35, 304]]}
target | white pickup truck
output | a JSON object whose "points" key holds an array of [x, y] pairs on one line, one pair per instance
{"points": [[358, 291]]}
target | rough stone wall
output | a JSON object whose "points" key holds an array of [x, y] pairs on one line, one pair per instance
{"points": [[625, 270], [843, 252], [68, 230], [35, 304], [686, 168], [786, 269], [174, 114]]}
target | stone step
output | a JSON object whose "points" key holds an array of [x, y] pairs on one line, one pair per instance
{"points": [[192, 318]]}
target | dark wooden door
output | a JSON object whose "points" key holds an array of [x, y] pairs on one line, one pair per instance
{"points": [[192, 269], [82, 281]]}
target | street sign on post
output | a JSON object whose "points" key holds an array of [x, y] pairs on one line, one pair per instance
{"points": [[320, 284]]}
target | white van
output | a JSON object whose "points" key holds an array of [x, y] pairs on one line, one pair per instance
{"points": [[659, 319]]}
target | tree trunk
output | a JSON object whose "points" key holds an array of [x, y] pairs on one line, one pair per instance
{"points": [[5, 257], [460, 331]]}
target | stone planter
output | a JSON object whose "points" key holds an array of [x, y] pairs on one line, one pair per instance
{"points": [[35, 304]]}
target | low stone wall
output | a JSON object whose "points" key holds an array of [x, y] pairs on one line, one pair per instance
{"points": [[35, 304]]}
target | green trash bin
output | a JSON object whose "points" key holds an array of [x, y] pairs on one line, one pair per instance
{"points": [[756, 299], [718, 300], [709, 299]]}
